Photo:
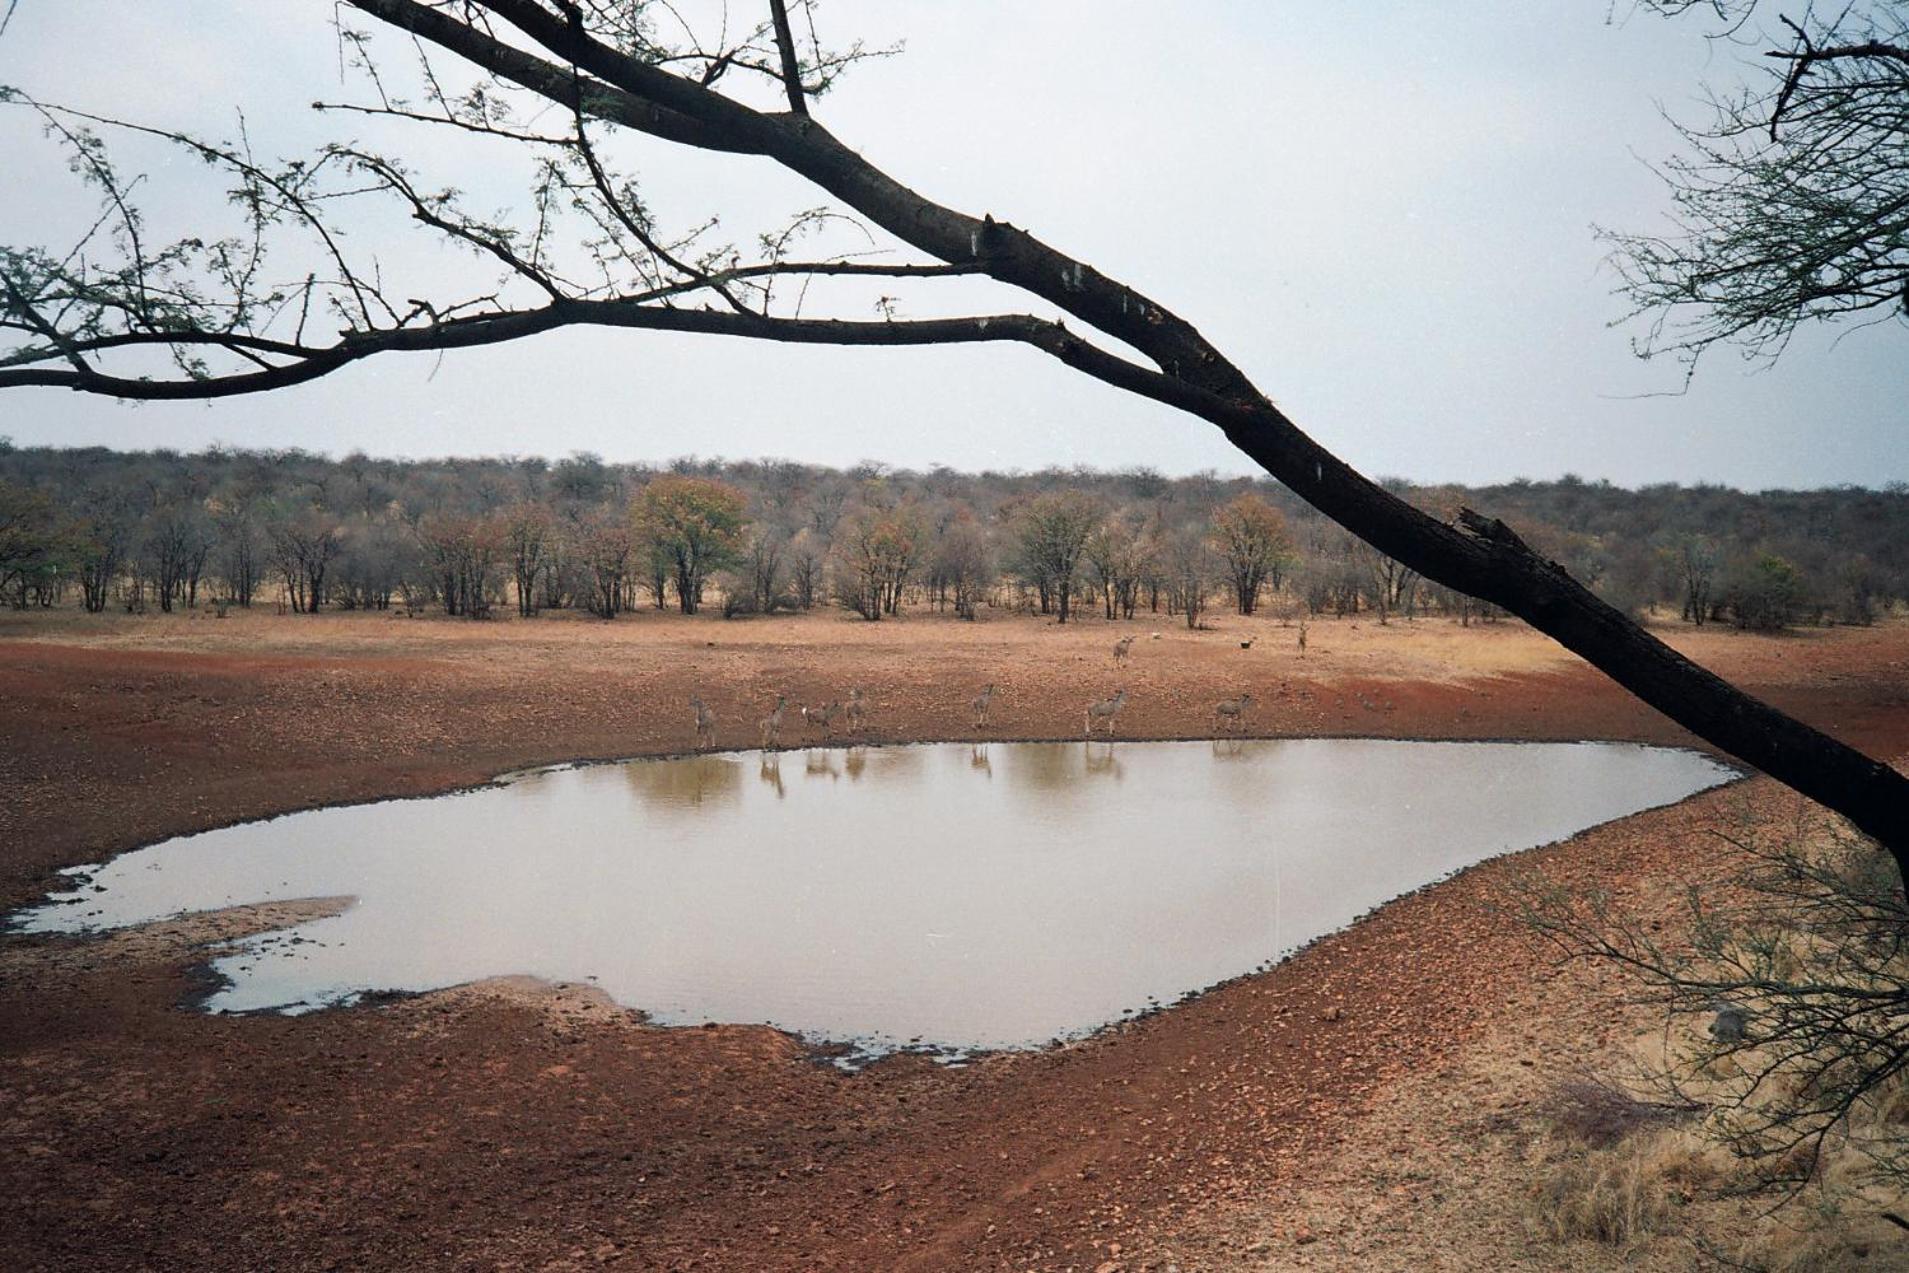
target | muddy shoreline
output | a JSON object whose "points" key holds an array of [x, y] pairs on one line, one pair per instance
{"points": [[481, 1127]]}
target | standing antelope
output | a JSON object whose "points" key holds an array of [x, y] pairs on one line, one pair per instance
{"points": [[1232, 711], [857, 713], [705, 724], [772, 723], [822, 718], [1107, 709], [982, 702], [1302, 638], [1122, 647]]}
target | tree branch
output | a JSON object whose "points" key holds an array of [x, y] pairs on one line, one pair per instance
{"points": [[785, 46]]}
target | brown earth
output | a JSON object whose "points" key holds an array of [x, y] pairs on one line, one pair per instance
{"points": [[519, 1125]]}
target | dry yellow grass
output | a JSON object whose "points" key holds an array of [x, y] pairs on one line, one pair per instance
{"points": [[1623, 1193]]}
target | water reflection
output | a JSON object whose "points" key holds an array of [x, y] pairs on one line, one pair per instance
{"points": [[769, 771], [1102, 759], [1041, 767], [685, 784], [922, 900]]}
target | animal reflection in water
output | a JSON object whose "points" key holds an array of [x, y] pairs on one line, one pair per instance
{"points": [[770, 771], [820, 762], [1102, 758], [978, 758]]}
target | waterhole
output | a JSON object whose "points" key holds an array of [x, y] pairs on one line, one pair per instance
{"points": [[946, 896]]}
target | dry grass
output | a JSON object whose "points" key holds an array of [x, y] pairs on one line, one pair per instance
{"points": [[1616, 1174], [1828, 1242]]}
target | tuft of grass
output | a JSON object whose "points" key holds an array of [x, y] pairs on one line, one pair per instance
{"points": [[1623, 1193], [1829, 1243]]}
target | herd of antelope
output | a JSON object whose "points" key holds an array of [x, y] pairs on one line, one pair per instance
{"points": [[1101, 716]]}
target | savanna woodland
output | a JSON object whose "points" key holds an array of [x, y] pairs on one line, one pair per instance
{"points": [[1675, 1037]]}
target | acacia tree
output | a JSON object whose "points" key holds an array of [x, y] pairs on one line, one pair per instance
{"points": [[1251, 536], [1792, 201], [876, 552], [528, 536], [555, 76], [695, 524], [1051, 534], [34, 542]]}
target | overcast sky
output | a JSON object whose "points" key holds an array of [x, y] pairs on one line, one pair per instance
{"points": [[1384, 216]]}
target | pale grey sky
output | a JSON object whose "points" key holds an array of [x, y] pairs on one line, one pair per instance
{"points": [[1383, 214]]}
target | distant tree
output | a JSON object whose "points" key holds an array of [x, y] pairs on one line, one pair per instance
{"points": [[1191, 568], [808, 558], [760, 584], [1252, 540], [463, 551], [696, 523], [178, 538], [1119, 554], [1763, 592], [1859, 587], [304, 543], [529, 536], [1051, 533], [240, 548], [375, 559], [1695, 559], [1388, 583], [36, 543], [877, 549], [606, 547], [102, 541], [963, 564]]}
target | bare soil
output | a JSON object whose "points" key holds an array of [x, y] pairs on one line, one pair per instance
{"points": [[519, 1125]]}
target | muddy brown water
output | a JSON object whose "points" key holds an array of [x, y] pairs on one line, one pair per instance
{"points": [[950, 896]]}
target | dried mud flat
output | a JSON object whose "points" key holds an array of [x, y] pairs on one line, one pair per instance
{"points": [[1337, 1111]]}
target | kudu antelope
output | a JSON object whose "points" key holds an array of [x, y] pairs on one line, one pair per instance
{"points": [[1122, 648], [772, 723], [705, 724], [822, 718], [982, 702], [1232, 712], [1107, 709], [857, 711]]}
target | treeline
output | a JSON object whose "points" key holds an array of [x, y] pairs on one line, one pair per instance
{"points": [[164, 530]]}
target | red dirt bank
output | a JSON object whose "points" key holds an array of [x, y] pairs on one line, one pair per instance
{"points": [[503, 1127]]}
